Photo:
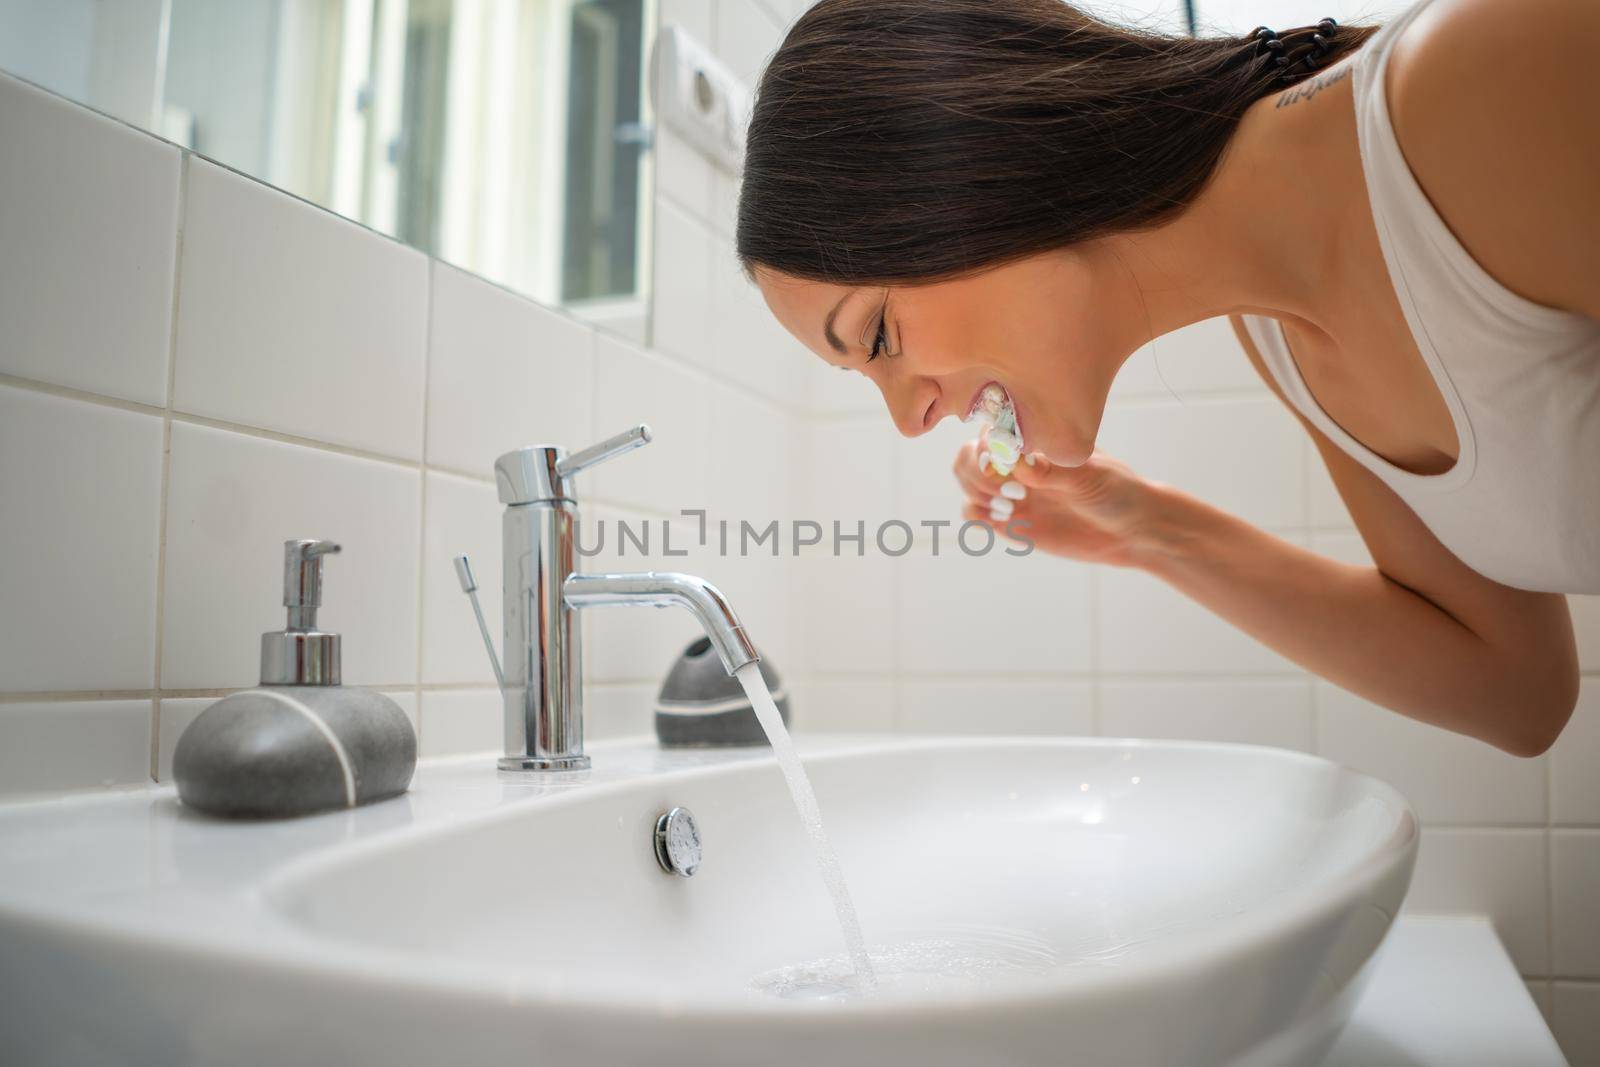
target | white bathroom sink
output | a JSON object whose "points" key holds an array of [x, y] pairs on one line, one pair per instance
{"points": [[1104, 902]]}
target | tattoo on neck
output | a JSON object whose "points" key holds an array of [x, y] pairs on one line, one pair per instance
{"points": [[1312, 86]]}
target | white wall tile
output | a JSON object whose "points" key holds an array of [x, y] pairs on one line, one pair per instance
{"points": [[751, 463], [74, 745], [746, 36], [1496, 873], [781, 11], [747, 345], [1344, 546], [503, 372], [683, 173], [88, 232], [174, 714], [1327, 506], [293, 319], [724, 202], [997, 706], [761, 590], [851, 474], [1586, 628], [1575, 903], [633, 644], [1249, 712], [80, 491], [848, 612], [924, 471], [992, 613], [854, 705], [1244, 456], [693, 15], [1449, 778], [1147, 627], [1575, 761], [681, 313], [836, 392], [463, 517], [611, 711], [461, 720], [633, 387], [1575, 1019], [232, 502]]}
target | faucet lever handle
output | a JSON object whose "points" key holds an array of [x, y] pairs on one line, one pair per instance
{"points": [[626, 441]]}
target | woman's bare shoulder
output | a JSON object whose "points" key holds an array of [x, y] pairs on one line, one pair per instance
{"points": [[1492, 102]]}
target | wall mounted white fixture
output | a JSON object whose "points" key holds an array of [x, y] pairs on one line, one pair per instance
{"points": [[700, 99]]}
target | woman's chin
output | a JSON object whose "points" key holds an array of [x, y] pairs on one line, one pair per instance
{"points": [[1064, 454]]}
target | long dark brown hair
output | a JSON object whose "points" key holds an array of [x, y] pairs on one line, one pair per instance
{"points": [[903, 141]]}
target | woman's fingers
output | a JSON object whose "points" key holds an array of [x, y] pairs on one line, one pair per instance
{"points": [[1037, 472], [1009, 528]]}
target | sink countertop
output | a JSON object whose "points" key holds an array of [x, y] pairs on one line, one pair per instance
{"points": [[1444, 994]]}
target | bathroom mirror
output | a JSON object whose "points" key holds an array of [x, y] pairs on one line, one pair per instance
{"points": [[509, 137]]}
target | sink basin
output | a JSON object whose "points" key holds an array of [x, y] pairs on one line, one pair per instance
{"points": [[1028, 902]]}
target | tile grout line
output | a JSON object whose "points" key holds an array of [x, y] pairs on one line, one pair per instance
{"points": [[986, 678], [166, 466], [1549, 875], [422, 498], [1306, 459], [67, 392], [1096, 676]]}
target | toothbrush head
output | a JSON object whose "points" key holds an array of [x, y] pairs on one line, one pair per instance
{"points": [[994, 408]]}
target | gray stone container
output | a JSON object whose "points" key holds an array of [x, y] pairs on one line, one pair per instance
{"points": [[285, 750], [702, 706]]}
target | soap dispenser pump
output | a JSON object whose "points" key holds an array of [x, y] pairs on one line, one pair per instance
{"points": [[301, 654], [300, 742]]}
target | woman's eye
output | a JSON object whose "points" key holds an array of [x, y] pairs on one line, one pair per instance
{"points": [[880, 342]]}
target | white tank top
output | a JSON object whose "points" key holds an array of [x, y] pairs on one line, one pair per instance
{"points": [[1521, 380]]}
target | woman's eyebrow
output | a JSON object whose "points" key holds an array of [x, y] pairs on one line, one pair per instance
{"points": [[827, 326]]}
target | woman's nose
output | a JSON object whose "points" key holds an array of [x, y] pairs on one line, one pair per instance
{"points": [[913, 405]]}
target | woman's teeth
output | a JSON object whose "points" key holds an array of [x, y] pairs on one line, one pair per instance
{"points": [[995, 409]]}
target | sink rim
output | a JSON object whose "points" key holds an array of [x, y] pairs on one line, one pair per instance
{"points": [[1185, 956]]}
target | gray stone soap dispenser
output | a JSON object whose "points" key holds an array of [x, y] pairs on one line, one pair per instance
{"points": [[300, 742]]}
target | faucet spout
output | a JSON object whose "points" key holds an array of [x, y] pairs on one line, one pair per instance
{"points": [[663, 589]]}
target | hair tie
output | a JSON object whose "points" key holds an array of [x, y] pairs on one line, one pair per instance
{"points": [[1268, 43]]}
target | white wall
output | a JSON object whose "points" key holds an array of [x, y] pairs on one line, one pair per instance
{"points": [[161, 317]]}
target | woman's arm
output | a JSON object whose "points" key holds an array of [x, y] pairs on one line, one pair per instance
{"points": [[1419, 632]]}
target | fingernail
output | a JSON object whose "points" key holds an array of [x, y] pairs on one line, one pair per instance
{"points": [[996, 515], [1032, 457], [1001, 506], [1014, 490], [983, 462]]}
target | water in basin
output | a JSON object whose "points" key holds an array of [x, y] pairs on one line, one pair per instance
{"points": [[946, 960]]}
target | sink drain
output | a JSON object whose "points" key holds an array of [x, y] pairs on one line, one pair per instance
{"points": [[677, 839]]}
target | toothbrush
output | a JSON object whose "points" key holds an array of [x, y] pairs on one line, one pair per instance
{"points": [[1005, 443]]}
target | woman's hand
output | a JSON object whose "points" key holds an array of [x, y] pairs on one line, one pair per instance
{"points": [[1101, 512]]}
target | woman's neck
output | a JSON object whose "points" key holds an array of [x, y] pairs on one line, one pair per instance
{"points": [[1271, 234]]}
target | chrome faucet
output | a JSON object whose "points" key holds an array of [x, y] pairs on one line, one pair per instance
{"points": [[542, 679]]}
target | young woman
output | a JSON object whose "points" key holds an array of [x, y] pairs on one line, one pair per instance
{"points": [[1403, 225]]}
